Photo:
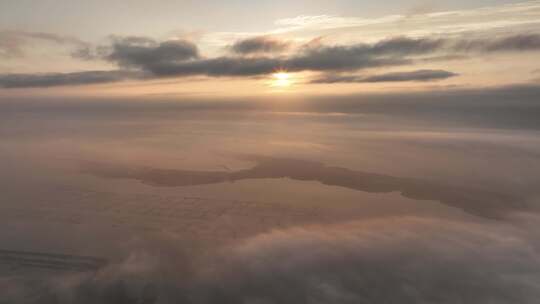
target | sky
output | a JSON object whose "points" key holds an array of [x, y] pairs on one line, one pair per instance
{"points": [[160, 17], [241, 49]]}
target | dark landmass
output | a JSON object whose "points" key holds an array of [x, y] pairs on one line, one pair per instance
{"points": [[489, 204]]}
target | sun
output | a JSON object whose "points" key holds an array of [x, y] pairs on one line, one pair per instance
{"points": [[281, 79]]}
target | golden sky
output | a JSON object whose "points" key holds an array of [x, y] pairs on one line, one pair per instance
{"points": [[345, 48]]}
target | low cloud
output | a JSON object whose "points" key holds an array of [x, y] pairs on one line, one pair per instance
{"points": [[259, 45], [392, 260], [401, 260], [500, 107], [419, 75]]}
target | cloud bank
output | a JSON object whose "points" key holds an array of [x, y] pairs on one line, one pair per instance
{"points": [[180, 58], [392, 260]]}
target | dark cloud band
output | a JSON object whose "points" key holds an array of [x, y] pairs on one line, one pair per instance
{"points": [[144, 52], [65, 79], [182, 58], [259, 45], [420, 75]]}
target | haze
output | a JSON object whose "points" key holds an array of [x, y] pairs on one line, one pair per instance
{"points": [[269, 152]]}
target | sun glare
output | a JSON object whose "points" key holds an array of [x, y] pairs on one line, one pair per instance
{"points": [[281, 79]]}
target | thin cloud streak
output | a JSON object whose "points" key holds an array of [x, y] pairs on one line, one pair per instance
{"points": [[66, 79], [513, 16], [13, 44], [419, 75]]}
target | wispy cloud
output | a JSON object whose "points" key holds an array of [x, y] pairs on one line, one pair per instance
{"points": [[15, 43], [418, 24]]}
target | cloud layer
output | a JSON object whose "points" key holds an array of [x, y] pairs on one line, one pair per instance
{"points": [[392, 260], [180, 58]]}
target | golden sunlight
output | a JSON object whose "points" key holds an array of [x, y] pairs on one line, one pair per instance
{"points": [[281, 79]]}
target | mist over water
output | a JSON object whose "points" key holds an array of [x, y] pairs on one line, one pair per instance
{"points": [[265, 206]]}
